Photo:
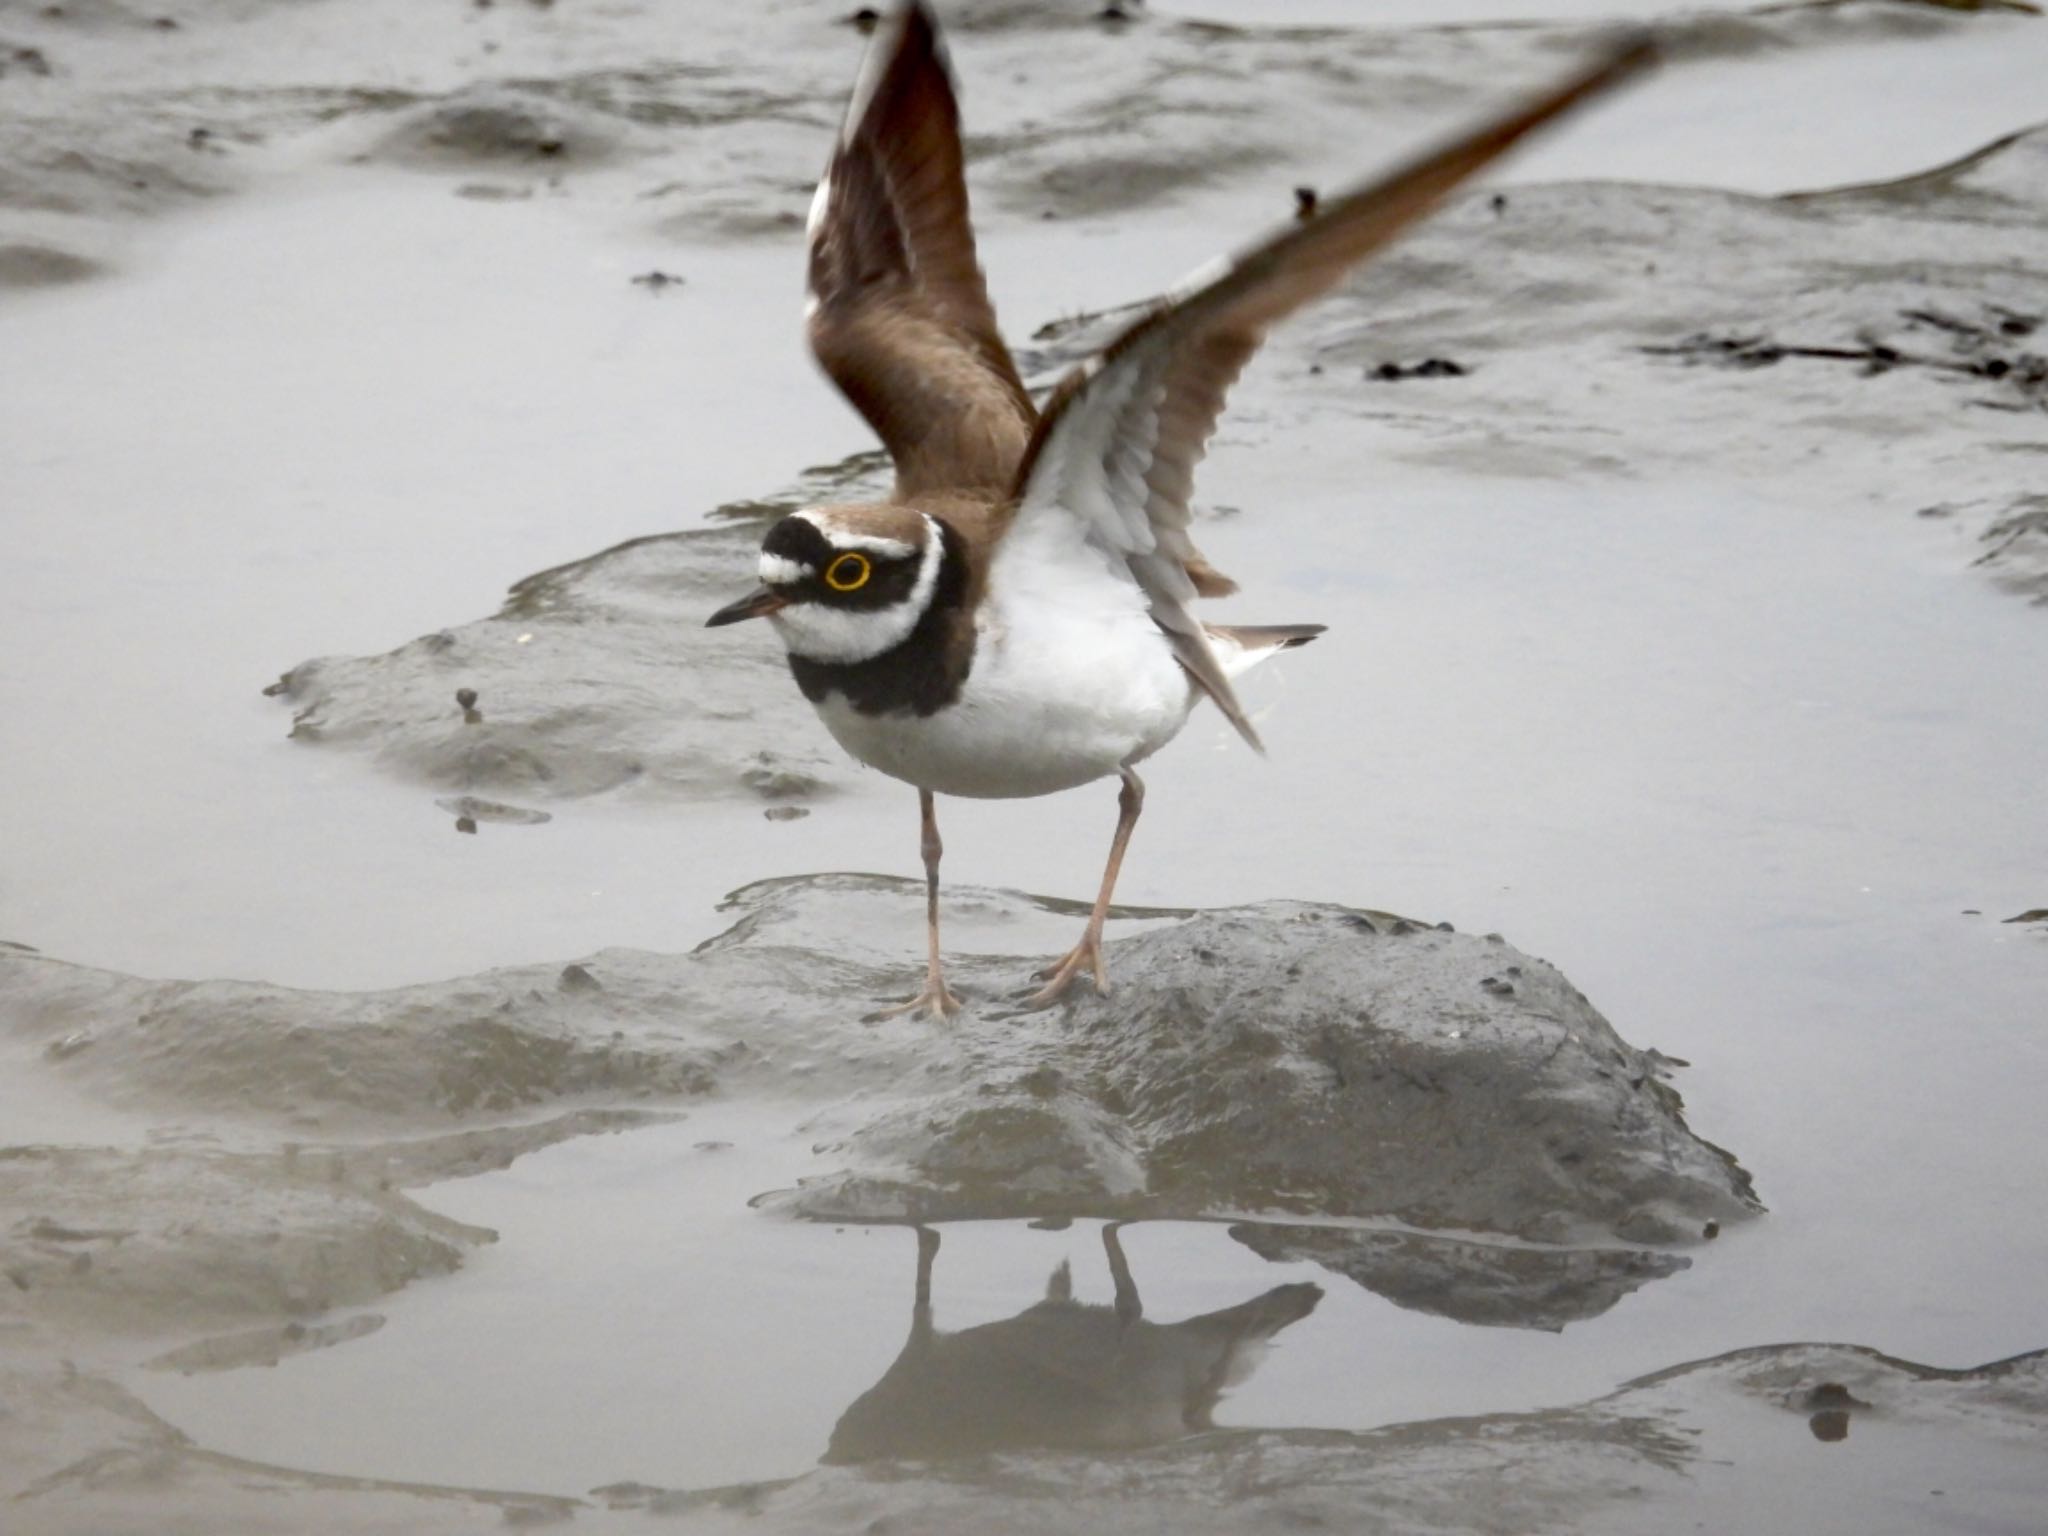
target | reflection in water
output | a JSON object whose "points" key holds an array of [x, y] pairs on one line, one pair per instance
{"points": [[1493, 1284], [1060, 1373], [1829, 1403]]}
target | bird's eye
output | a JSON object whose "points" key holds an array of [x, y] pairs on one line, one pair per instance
{"points": [[849, 573]]}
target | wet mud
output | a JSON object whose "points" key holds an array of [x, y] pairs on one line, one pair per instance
{"points": [[1434, 1118], [1660, 1453], [1281, 1057], [1286, 1056]]}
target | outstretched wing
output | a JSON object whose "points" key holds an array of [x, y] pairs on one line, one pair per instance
{"points": [[899, 314], [1118, 442]]}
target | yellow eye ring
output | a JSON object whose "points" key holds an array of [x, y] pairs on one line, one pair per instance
{"points": [[849, 573]]}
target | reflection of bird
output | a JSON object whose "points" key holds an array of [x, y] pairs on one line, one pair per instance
{"points": [[1016, 619], [1059, 1373]]}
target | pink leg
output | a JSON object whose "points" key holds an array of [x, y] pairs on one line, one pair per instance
{"points": [[935, 998], [1088, 953]]}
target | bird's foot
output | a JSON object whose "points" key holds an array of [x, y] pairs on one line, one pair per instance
{"points": [[937, 999], [1060, 976]]}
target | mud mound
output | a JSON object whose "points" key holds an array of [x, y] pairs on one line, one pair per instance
{"points": [[123, 1242], [1280, 1057]]}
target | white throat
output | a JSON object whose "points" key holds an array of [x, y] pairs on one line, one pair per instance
{"points": [[818, 632]]}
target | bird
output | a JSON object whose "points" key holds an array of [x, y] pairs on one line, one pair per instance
{"points": [[1016, 618]]}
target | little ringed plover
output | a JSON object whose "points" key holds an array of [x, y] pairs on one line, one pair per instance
{"points": [[1017, 618]]}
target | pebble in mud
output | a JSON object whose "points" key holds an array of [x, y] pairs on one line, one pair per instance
{"points": [[465, 700]]}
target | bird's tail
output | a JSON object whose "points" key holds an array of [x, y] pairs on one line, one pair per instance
{"points": [[1240, 647]]}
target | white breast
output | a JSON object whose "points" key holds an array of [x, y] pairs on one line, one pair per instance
{"points": [[1071, 679]]}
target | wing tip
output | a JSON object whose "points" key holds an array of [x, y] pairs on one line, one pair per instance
{"points": [[908, 32], [1623, 54]]}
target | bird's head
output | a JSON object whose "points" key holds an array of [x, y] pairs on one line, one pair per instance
{"points": [[844, 584]]}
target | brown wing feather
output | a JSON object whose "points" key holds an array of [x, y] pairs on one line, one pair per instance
{"points": [[901, 318], [1162, 382]]}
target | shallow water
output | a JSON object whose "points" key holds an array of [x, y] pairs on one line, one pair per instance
{"points": [[1750, 760]]}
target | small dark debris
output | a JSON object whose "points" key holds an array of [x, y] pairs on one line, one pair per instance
{"points": [[1428, 368], [1711, 1231], [1305, 201], [465, 824], [1051, 1223], [864, 20], [1401, 927], [1941, 321], [1445, 928], [165, 23], [30, 59], [1496, 986], [577, 978], [657, 280], [1117, 12], [1498, 202], [1972, 347], [786, 813]]}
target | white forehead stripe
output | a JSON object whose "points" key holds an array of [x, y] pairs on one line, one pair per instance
{"points": [[873, 543], [777, 571]]}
